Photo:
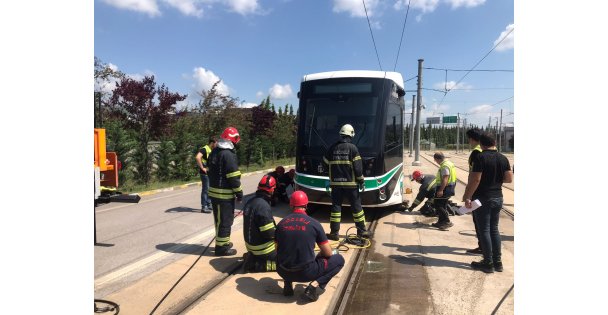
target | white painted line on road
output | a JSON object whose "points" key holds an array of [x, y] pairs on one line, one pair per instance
{"points": [[145, 201], [140, 264]]}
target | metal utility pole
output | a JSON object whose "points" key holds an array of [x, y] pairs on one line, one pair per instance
{"points": [[418, 108], [412, 125], [458, 132], [499, 129]]}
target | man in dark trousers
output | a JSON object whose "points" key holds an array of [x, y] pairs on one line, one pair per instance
{"points": [[490, 171], [427, 188], [473, 136], [446, 188], [224, 186], [201, 161], [278, 172], [259, 227], [296, 236], [345, 179]]}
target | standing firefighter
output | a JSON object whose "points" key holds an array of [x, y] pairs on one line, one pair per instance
{"points": [[203, 168], [224, 186], [345, 179], [259, 227]]}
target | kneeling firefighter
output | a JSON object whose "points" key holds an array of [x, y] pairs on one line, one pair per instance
{"points": [[259, 228]]}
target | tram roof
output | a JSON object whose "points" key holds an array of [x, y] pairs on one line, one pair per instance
{"points": [[394, 76]]}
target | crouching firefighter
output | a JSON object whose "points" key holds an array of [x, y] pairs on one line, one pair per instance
{"points": [[296, 236], [427, 189], [258, 229], [224, 187]]}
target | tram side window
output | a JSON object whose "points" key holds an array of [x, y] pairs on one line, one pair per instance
{"points": [[393, 127]]}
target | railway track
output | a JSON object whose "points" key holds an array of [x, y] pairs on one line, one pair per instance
{"points": [[339, 300]]}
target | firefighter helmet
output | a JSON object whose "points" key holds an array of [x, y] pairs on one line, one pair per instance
{"points": [[417, 175], [267, 184], [298, 199], [231, 134], [347, 130]]}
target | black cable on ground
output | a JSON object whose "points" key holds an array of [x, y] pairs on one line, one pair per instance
{"points": [[187, 271], [113, 308], [503, 299]]}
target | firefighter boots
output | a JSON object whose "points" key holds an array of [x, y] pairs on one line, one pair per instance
{"points": [[288, 288]]}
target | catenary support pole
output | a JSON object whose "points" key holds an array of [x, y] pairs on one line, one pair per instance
{"points": [[418, 110]]}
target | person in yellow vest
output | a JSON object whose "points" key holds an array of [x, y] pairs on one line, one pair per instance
{"points": [[473, 135], [446, 184], [203, 168]]}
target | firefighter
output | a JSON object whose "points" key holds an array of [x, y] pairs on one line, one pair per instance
{"points": [[427, 189], [224, 186], [296, 236], [278, 172], [259, 227], [345, 179], [201, 161], [446, 185]]}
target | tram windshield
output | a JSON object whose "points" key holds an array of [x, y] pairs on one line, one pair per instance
{"points": [[325, 115]]}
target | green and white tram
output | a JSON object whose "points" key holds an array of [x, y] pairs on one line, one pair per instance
{"points": [[372, 102]]}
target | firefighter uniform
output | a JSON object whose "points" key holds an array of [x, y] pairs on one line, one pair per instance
{"points": [[427, 190], [205, 201], [224, 186], [296, 236], [345, 178], [258, 231]]}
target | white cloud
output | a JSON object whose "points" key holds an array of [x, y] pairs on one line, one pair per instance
{"points": [[243, 7], [204, 80], [355, 7], [465, 3], [145, 6], [187, 7], [278, 91], [450, 85], [481, 109], [507, 43], [248, 105], [259, 94], [423, 5]]}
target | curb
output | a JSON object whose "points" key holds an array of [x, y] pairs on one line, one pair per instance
{"points": [[160, 190]]}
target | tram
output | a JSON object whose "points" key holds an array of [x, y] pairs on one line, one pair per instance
{"points": [[373, 103]]}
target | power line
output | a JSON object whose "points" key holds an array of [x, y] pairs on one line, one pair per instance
{"points": [[410, 79], [484, 57], [370, 31], [467, 89], [470, 70], [506, 99], [402, 31]]}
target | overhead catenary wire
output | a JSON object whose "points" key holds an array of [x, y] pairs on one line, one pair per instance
{"points": [[372, 33], [402, 32], [472, 68], [469, 70]]}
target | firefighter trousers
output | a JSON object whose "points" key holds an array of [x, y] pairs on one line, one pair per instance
{"points": [[354, 198], [322, 269], [223, 217]]}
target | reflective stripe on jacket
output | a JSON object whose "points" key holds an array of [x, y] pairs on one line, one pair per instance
{"points": [[345, 164]]}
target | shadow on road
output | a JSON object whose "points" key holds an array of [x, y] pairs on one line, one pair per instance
{"points": [[191, 249]]}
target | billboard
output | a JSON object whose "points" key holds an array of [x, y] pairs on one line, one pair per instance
{"points": [[433, 120]]}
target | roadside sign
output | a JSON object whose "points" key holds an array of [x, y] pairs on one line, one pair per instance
{"points": [[433, 120], [449, 119]]}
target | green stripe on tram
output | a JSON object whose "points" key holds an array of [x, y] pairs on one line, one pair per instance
{"points": [[370, 183]]}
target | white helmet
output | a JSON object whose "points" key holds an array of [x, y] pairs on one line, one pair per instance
{"points": [[347, 130]]}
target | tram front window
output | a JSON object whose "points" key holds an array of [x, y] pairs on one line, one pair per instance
{"points": [[325, 116]]}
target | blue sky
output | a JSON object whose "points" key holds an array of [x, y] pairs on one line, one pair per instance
{"points": [[260, 48]]}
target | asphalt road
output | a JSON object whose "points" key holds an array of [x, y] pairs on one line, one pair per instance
{"points": [[134, 240]]}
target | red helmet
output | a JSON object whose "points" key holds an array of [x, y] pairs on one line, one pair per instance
{"points": [[267, 184], [280, 170], [298, 199], [416, 175], [231, 134]]}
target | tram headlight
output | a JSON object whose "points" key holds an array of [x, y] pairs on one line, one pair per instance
{"points": [[382, 195]]}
